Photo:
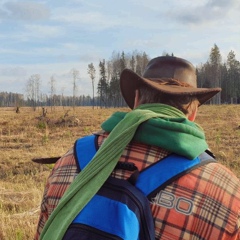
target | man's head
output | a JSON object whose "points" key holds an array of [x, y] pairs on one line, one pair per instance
{"points": [[167, 80], [187, 104]]}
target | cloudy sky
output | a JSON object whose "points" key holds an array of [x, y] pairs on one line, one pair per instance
{"points": [[52, 37]]}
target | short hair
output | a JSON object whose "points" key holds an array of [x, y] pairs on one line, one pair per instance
{"points": [[185, 103]]}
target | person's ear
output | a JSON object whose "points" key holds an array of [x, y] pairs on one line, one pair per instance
{"points": [[193, 115], [136, 99]]}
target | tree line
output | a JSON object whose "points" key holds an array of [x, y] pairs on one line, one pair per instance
{"points": [[213, 73], [216, 73]]}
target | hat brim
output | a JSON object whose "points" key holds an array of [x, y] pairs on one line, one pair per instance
{"points": [[130, 81]]}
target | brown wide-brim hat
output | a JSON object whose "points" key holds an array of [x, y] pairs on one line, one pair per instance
{"points": [[169, 75]]}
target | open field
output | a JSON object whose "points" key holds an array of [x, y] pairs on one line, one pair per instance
{"points": [[25, 135]]}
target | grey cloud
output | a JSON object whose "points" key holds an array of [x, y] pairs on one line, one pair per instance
{"points": [[26, 11], [13, 71], [211, 11], [3, 14], [221, 3]]}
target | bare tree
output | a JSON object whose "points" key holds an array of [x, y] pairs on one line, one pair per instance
{"points": [[92, 74], [53, 91], [75, 74], [33, 90], [62, 97]]}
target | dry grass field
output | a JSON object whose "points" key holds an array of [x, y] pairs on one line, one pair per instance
{"points": [[25, 136]]}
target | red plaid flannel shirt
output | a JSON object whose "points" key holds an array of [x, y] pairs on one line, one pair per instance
{"points": [[203, 204]]}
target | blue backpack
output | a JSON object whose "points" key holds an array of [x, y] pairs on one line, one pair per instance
{"points": [[121, 208]]}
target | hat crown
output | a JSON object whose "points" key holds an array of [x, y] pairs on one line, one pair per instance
{"points": [[166, 74], [171, 67]]}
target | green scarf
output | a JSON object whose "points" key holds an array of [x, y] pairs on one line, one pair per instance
{"points": [[172, 131], [92, 177]]}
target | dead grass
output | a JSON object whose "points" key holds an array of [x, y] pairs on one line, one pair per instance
{"points": [[26, 135]]}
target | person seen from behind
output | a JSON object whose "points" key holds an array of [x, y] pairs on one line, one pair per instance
{"points": [[203, 203]]}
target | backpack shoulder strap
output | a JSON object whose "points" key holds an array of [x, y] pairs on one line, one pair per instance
{"points": [[158, 175], [86, 147], [84, 150], [168, 169]]}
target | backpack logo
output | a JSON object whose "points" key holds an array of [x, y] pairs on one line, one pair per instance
{"points": [[170, 201]]}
